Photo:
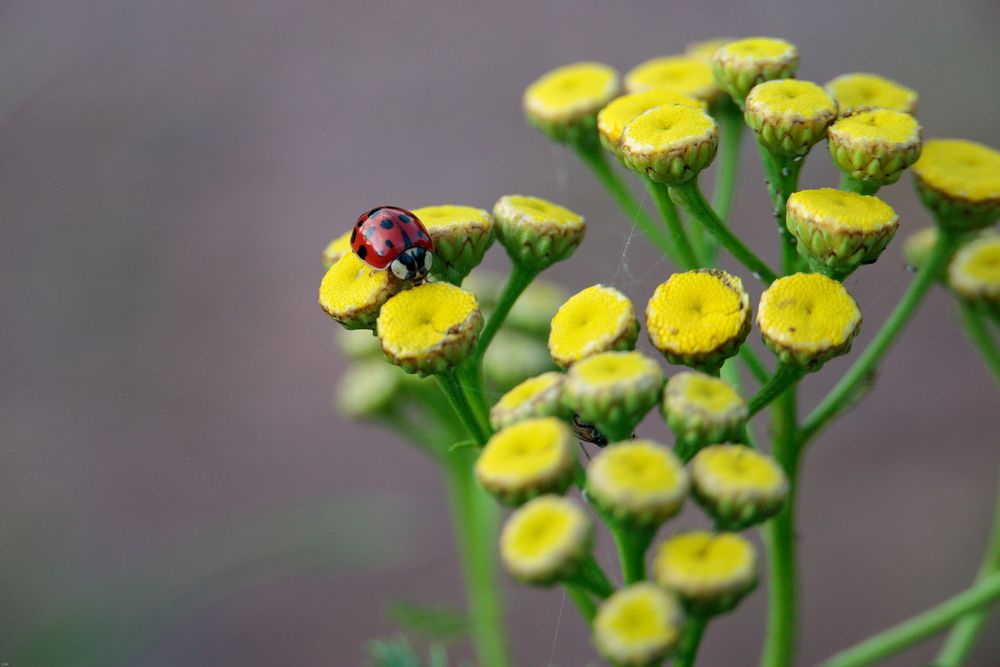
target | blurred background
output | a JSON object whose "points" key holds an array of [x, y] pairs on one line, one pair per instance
{"points": [[175, 487]]}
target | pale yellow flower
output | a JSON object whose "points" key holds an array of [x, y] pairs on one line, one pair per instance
{"points": [[712, 572], [638, 626], [598, 319], [527, 459]]}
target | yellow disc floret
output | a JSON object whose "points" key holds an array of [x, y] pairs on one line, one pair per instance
{"points": [[670, 144], [536, 233], [638, 626], [960, 181], [429, 328], [875, 146], [461, 236], [637, 482], [737, 485], [699, 318], [526, 459], [807, 319], [336, 249], [612, 119], [710, 571], [837, 231], [353, 293], [742, 64], [598, 319], [564, 102], [975, 271], [538, 396], [860, 92], [679, 74], [701, 410], [545, 539], [789, 116]]}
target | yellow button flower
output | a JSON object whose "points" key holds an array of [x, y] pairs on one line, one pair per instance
{"points": [[742, 64], [598, 319], [638, 626], [537, 233], [527, 459], [679, 74], [336, 249], [430, 328], [545, 540], [837, 231], [513, 356], [861, 92], [918, 245], [637, 482], [699, 318], [702, 410], [712, 572], [975, 271], [564, 103], [789, 116], [960, 182], [738, 486], [461, 236], [353, 293], [875, 147], [807, 319], [612, 119], [539, 396], [670, 144], [705, 50], [613, 391]]}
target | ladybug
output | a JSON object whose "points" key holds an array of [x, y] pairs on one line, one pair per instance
{"points": [[390, 237]]}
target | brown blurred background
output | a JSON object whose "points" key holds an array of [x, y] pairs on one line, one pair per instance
{"points": [[174, 485]]}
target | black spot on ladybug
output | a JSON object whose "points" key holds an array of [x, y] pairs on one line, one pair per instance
{"points": [[386, 224], [362, 251], [361, 221], [420, 234], [388, 244], [404, 218], [354, 235], [369, 232]]}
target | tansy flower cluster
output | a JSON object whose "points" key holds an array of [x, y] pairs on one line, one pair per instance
{"points": [[589, 412]]}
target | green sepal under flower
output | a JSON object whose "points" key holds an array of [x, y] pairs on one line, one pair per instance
{"points": [[959, 182], [461, 236], [702, 410], [789, 116], [711, 572], [670, 144], [875, 147], [637, 483], [738, 486], [536, 233], [744, 63]]}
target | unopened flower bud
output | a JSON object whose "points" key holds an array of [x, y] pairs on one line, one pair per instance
{"points": [[875, 147], [368, 390], [546, 540], [638, 626], [598, 319], [637, 483], [336, 249], [863, 92], [974, 273], [702, 410], [527, 459], [686, 75], [959, 181], [918, 245], [789, 116], [539, 396], [738, 486], [563, 103], [461, 236], [536, 233], [742, 64], [711, 572], [353, 293], [612, 119], [670, 144]]}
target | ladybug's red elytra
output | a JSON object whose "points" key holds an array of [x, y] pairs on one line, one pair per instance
{"points": [[391, 237]]}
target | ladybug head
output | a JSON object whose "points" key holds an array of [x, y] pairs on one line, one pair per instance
{"points": [[412, 265]]}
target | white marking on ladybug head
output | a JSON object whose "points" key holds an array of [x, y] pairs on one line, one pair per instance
{"points": [[428, 261], [399, 269]]}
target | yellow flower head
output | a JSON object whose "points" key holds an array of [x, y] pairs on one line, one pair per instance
{"points": [[564, 103], [712, 572], [353, 293], [737, 485], [702, 410], [637, 482], [598, 319], [875, 146], [613, 391], [461, 236], [861, 92], [336, 249], [679, 74], [545, 540], [534, 309], [960, 182], [430, 328], [699, 318], [368, 390], [638, 626], [539, 396], [918, 245], [612, 119], [838, 230], [789, 116], [537, 233], [705, 50], [527, 459], [807, 319], [670, 144], [975, 271], [742, 64], [514, 356]]}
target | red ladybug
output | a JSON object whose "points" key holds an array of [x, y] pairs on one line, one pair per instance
{"points": [[392, 237]]}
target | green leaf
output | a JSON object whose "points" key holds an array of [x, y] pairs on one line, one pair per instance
{"points": [[463, 444], [429, 622]]}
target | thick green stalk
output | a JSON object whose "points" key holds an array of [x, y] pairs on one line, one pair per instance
{"points": [[476, 520], [784, 376], [920, 627], [590, 577], [687, 652], [668, 211], [731, 125], [595, 158], [782, 176], [843, 392], [851, 184], [632, 544], [690, 197], [584, 602], [754, 364], [966, 631], [452, 388]]}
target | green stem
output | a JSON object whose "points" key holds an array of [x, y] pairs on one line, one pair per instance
{"points": [[459, 402], [690, 197], [754, 364], [590, 577], [920, 627], [963, 636], [595, 158], [476, 520], [782, 176], [584, 602], [730, 120], [844, 391], [784, 376], [851, 184], [694, 630], [632, 544], [668, 211]]}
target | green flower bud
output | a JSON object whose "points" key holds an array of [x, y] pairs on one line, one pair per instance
{"points": [[546, 540], [974, 272], [875, 147], [638, 626], [539, 396], [528, 459], [670, 144], [738, 486], [537, 233], [368, 390], [637, 483], [461, 236], [702, 410], [742, 64], [711, 572], [789, 116], [959, 181], [563, 103]]}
